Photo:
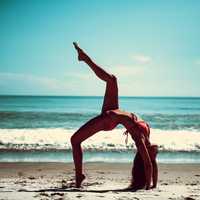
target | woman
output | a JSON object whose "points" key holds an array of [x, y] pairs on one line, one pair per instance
{"points": [[109, 118]]}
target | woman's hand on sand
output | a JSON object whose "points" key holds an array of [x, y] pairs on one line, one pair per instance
{"points": [[82, 56], [153, 186], [147, 187]]}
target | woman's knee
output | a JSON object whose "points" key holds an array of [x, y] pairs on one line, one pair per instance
{"points": [[113, 81], [114, 78], [74, 140]]}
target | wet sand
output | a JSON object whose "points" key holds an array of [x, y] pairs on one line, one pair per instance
{"points": [[104, 181]]}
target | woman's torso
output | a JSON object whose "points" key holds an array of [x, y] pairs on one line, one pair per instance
{"points": [[136, 128]]}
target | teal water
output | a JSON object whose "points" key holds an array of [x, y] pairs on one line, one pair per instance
{"points": [[38, 116], [95, 156], [166, 113]]}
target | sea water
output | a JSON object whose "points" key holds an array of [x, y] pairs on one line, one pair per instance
{"points": [[38, 128]]}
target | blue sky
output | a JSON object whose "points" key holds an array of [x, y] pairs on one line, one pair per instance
{"points": [[151, 46]]}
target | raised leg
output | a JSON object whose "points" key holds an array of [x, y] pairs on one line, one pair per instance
{"points": [[111, 93], [87, 130], [110, 101], [98, 123]]}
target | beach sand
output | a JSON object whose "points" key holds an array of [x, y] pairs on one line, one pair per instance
{"points": [[104, 181]]}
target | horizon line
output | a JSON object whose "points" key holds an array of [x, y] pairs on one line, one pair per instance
{"points": [[136, 96]]}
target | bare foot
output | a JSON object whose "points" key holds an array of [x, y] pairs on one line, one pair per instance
{"points": [[134, 187], [76, 46], [82, 56], [79, 180]]}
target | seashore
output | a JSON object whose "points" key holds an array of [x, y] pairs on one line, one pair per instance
{"points": [[50, 180]]}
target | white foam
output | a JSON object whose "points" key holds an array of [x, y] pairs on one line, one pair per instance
{"points": [[168, 140]]}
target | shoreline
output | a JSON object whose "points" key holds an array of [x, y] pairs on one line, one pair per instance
{"points": [[92, 156], [44, 180]]}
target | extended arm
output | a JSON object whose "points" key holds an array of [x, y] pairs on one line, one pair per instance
{"points": [[155, 173], [153, 153], [147, 161]]}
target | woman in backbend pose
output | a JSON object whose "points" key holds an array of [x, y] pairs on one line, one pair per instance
{"points": [[109, 118]]}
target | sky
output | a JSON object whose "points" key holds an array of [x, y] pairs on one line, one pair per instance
{"points": [[153, 47]]}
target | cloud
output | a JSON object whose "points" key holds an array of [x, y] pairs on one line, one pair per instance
{"points": [[47, 82], [142, 59], [69, 83], [29, 82], [77, 76], [126, 71]]}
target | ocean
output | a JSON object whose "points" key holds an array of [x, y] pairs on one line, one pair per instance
{"points": [[38, 128]]}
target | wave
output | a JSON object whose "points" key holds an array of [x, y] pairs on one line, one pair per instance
{"points": [[72, 120], [14, 119], [173, 121], [59, 139]]}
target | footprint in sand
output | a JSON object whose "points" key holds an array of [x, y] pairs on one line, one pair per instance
{"points": [[44, 194], [57, 194], [164, 184], [192, 184], [189, 198], [31, 177], [79, 196], [100, 172]]}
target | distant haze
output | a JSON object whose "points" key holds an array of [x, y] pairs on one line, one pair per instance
{"points": [[151, 46]]}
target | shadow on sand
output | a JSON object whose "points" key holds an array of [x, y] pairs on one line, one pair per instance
{"points": [[78, 190]]}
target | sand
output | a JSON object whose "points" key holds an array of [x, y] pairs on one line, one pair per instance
{"points": [[104, 181]]}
